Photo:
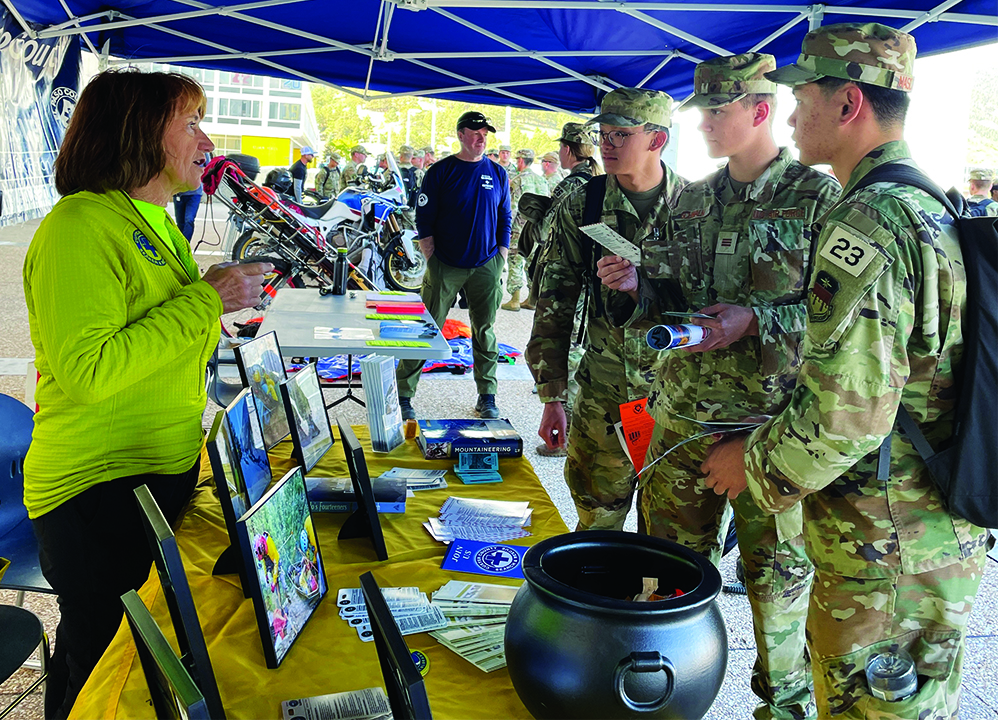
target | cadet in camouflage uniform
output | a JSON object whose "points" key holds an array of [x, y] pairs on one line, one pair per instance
{"points": [[738, 248], [618, 366], [327, 181], [506, 160], [980, 202], [577, 148], [358, 154], [550, 165], [525, 181], [892, 567]]}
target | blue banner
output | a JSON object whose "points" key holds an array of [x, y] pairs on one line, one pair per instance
{"points": [[41, 81]]}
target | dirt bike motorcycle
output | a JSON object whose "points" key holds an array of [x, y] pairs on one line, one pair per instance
{"points": [[367, 221]]}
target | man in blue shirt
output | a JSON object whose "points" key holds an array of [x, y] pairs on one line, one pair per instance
{"points": [[463, 218]]}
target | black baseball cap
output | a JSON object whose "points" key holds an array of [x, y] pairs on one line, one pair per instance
{"points": [[474, 120]]}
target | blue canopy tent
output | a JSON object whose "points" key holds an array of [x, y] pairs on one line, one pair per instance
{"points": [[553, 54]]}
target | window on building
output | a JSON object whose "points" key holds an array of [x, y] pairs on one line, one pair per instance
{"points": [[233, 107], [227, 144], [284, 84], [285, 111]]}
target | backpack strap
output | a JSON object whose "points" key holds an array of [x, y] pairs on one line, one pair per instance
{"points": [[591, 213], [905, 175]]}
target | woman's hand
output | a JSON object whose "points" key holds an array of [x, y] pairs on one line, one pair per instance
{"points": [[238, 284]]}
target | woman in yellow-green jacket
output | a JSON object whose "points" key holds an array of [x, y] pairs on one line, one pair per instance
{"points": [[123, 324]]}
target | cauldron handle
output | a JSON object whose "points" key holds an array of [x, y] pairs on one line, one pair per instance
{"points": [[644, 662]]}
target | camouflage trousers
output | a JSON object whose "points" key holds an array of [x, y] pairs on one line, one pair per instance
{"points": [[517, 274], [676, 505], [598, 472], [852, 619]]}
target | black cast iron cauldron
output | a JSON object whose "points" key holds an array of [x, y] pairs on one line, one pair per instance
{"points": [[577, 649]]}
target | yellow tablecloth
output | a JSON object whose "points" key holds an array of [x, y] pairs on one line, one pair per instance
{"points": [[328, 656]]}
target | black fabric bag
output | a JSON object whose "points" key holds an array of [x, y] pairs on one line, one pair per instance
{"points": [[965, 469]]}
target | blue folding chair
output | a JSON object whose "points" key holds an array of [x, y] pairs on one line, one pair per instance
{"points": [[17, 539]]}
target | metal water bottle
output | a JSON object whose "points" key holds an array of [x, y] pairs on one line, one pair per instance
{"points": [[891, 676], [340, 272]]}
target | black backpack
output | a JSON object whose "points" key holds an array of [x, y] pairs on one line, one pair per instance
{"points": [[965, 469]]}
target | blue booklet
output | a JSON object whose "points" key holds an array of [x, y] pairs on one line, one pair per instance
{"points": [[485, 558]]}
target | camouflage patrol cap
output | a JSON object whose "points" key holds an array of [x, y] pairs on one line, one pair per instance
{"points": [[358, 149], [405, 150], [506, 148], [526, 154], [551, 157], [632, 107], [337, 157], [577, 133], [419, 153], [427, 149], [981, 174], [724, 80], [492, 151], [863, 52]]}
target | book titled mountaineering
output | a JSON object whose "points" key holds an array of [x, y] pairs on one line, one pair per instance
{"points": [[449, 438]]}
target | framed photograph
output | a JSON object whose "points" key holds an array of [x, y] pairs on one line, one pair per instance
{"points": [[241, 469], [261, 368], [174, 694], [364, 522], [306, 412], [281, 552], [183, 613], [403, 683]]}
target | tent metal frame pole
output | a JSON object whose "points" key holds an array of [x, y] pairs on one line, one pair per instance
{"points": [[262, 61], [480, 86], [86, 38], [676, 32], [284, 28], [9, 4], [172, 17], [930, 16], [658, 67], [500, 91], [520, 48], [374, 44], [236, 55], [786, 27], [623, 5], [529, 53]]}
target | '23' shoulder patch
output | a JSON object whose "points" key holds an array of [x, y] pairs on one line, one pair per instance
{"points": [[147, 249]]}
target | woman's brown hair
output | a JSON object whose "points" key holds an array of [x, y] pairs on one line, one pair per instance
{"points": [[115, 137], [584, 152]]}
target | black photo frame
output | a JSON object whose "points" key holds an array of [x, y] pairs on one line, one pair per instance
{"points": [[311, 432], [282, 557], [364, 521], [179, 600], [261, 369], [172, 689], [235, 448], [403, 684]]}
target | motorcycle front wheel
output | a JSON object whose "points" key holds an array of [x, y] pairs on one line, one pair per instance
{"points": [[252, 244], [399, 275]]}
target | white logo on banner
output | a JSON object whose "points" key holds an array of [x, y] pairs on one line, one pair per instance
{"points": [[63, 102]]}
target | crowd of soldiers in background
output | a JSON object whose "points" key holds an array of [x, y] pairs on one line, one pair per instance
{"points": [[334, 175]]}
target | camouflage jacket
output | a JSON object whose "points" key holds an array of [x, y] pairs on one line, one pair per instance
{"points": [[552, 180], [327, 181], [884, 311], [618, 353], [525, 182], [990, 207], [753, 252], [349, 173]]}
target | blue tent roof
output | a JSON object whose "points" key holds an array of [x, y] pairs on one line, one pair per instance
{"points": [[558, 54]]}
